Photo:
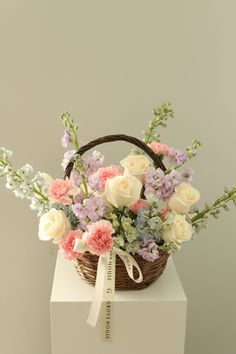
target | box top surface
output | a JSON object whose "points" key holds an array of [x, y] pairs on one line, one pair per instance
{"points": [[69, 287]]}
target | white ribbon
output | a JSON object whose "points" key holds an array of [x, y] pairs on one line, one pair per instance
{"points": [[108, 295], [105, 285], [98, 294], [105, 288], [129, 263]]}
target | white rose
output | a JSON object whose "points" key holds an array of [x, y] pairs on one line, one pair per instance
{"points": [[184, 197], [122, 190], [180, 230], [135, 165], [53, 225]]}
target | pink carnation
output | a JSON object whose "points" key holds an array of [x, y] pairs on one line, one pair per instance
{"points": [[141, 203], [103, 173], [68, 242], [99, 237], [60, 190], [159, 148]]}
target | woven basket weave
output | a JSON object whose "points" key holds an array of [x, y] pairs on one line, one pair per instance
{"points": [[87, 264]]}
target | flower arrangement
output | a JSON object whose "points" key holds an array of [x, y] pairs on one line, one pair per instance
{"points": [[134, 206], [142, 209]]}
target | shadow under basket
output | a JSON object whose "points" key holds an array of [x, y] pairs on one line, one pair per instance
{"points": [[86, 266]]}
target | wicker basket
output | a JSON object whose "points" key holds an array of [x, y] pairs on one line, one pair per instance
{"points": [[87, 264]]}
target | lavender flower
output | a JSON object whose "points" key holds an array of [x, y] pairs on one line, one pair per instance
{"points": [[180, 157], [92, 163], [94, 181], [78, 199], [70, 134], [149, 250], [187, 175], [76, 178], [66, 138], [89, 210], [67, 156], [160, 184], [177, 157]]}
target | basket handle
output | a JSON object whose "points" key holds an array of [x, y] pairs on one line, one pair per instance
{"points": [[109, 138]]}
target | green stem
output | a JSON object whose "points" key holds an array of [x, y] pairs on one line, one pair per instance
{"points": [[75, 140], [38, 191], [85, 186], [18, 176], [40, 194], [148, 137], [218, 204], [172, 168], [4, 164]]}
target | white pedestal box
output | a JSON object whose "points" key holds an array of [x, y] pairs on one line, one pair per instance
{"points": [[148, 321]]}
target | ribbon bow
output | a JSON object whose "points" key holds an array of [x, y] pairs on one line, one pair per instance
{"points": [[105, 286]]}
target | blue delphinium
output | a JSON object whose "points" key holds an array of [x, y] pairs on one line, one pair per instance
{"points": [[149, 224]]}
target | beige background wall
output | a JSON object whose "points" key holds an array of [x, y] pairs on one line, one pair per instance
{"points": [[109, 63]]}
